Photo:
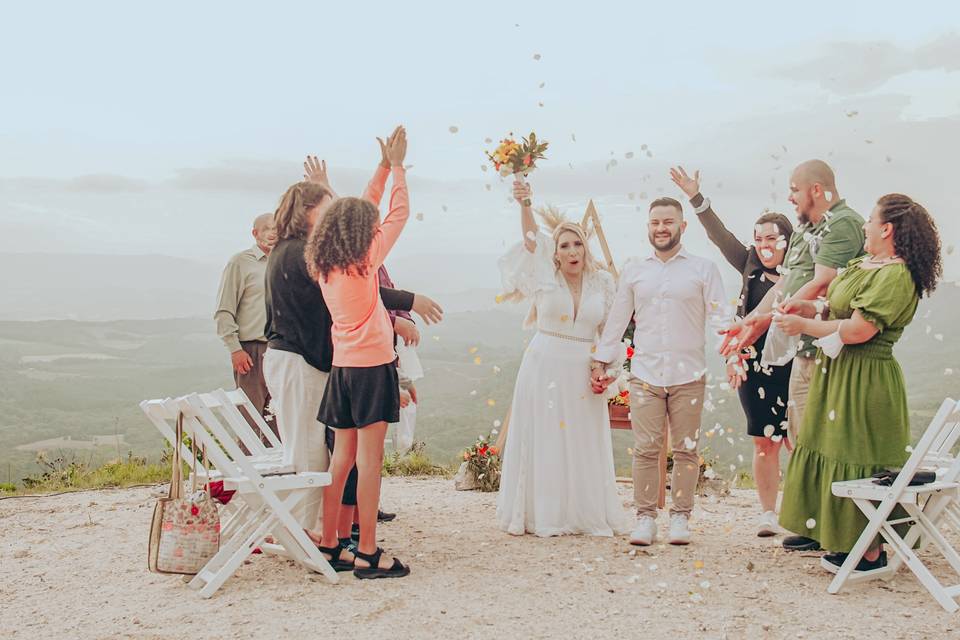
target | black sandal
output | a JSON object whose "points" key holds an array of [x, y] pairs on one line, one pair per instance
{"points": [[396, 570], [335, 561]]}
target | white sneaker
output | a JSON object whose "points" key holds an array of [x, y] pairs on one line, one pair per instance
{"points": [[767, 525], [679, 529], [645, 532]]}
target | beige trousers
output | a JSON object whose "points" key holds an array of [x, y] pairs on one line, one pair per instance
{"points": [[296, 390], [650, 408], [800, 376]]}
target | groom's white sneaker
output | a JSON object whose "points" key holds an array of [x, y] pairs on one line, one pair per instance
{"points": [[645, 532], [679, 529]]}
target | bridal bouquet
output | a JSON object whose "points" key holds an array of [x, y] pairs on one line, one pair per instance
{"points": [[518, 159], [512, 157]]}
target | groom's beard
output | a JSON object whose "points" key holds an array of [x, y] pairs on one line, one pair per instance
{"points": [[674, 241]]}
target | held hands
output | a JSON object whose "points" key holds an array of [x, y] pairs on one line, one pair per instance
{"points": [[599, 380], [408, 331], [407, 396], [522, 193], [427, 309], [242, 362], [690, 186]]}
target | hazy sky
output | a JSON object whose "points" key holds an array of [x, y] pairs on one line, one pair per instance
{"points": [[129, 128]]}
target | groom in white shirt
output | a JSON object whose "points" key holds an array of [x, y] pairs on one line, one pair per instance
{"points": [[673, 296]]}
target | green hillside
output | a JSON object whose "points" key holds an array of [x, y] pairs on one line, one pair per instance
{"points": [[66, 379]]}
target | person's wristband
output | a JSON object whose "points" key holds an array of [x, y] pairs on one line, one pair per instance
{"points": [[703, 206]]}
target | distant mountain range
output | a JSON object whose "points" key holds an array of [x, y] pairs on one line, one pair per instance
{"points": [[38, 286]]}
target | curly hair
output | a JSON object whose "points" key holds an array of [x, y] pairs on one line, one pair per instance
{"points": [[291, 214], [342, 239], [915, 239]]}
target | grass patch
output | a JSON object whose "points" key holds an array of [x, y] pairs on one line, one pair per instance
{"points": [[414, 462], [64, 473]]}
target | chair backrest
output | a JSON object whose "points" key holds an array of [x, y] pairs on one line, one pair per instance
{"points": [[943, 444], [163, 415], [227, 405], [239, 399], [937, 433]]}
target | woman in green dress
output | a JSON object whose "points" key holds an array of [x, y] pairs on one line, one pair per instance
{"points": [[856, 421]]}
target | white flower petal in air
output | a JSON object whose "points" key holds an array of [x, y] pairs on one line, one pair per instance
{"points": [[811, 523], [454, 129], [833, 414], [769, 430]]}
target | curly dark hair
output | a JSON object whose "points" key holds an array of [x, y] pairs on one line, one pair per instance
{"points": [[915, 239], [342, 238]]}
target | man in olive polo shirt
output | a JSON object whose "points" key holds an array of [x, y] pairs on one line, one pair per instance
{"points": [[241, 314], [829, 236]]}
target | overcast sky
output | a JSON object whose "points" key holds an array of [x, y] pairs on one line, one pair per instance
{"points": [[165, 128]]}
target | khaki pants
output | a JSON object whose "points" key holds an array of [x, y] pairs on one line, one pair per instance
{"points": [[800, 376], [297, 390], [253, 384], [650, 407]]}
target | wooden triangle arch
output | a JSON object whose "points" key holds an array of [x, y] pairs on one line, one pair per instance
{"points": [[591, 216]]}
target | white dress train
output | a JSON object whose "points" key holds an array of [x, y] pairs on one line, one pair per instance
{"points": [[558, 475]]}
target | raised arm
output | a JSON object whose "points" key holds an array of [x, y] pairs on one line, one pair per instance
{"points": [[389, 231], [528, 225], [374, 191], [732, 249]]}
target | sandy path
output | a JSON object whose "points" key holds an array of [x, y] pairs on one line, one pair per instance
{"points": [[74, 567]]}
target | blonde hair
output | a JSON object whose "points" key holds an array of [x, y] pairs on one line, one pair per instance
{"points": [[557, 223]]}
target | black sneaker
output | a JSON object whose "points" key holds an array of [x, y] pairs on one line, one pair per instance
{"points": [[383, 516], [833, 561], [800, 543]]}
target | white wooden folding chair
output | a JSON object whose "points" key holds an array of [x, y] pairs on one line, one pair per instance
{"points": [[928, 507], [163, 414], [269, 513]]}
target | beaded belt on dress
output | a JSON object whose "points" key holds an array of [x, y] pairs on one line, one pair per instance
{"points": [[553, 334]]}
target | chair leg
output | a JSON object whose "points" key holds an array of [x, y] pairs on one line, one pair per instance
{"points": [[232, 545], [875, 520], [236, 559]]}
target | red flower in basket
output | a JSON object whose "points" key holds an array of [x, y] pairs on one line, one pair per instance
{"points": [[482, 451]]}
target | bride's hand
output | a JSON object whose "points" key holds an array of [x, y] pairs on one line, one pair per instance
{"points": [[522, 191]]}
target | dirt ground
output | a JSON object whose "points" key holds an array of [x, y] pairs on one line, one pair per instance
{"points": [[74, 566]]}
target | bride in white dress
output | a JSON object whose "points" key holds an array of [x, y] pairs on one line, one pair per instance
{"points": [[558, 475]]}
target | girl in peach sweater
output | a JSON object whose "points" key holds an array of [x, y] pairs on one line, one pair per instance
{"points": [[344, 253]]}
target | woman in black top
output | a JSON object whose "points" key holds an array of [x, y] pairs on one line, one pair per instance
{"points": [[763, 392]]}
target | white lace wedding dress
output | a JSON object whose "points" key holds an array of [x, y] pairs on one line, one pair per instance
{"points": [[558, 475]]}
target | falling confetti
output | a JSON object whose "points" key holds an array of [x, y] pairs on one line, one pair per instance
{"points": [[628, 155], [811, 523], [496, 424], [488, 140], [833, 414], [420, 217], [454, 129], [543, 84], [477, 360], [536, 56], [491, 402], [474, 349]]}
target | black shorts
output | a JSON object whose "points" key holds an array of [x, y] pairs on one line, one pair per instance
{"points": [[360, 396]]}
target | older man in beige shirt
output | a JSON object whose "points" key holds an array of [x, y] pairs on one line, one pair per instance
{"points": [[241, 313]]}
